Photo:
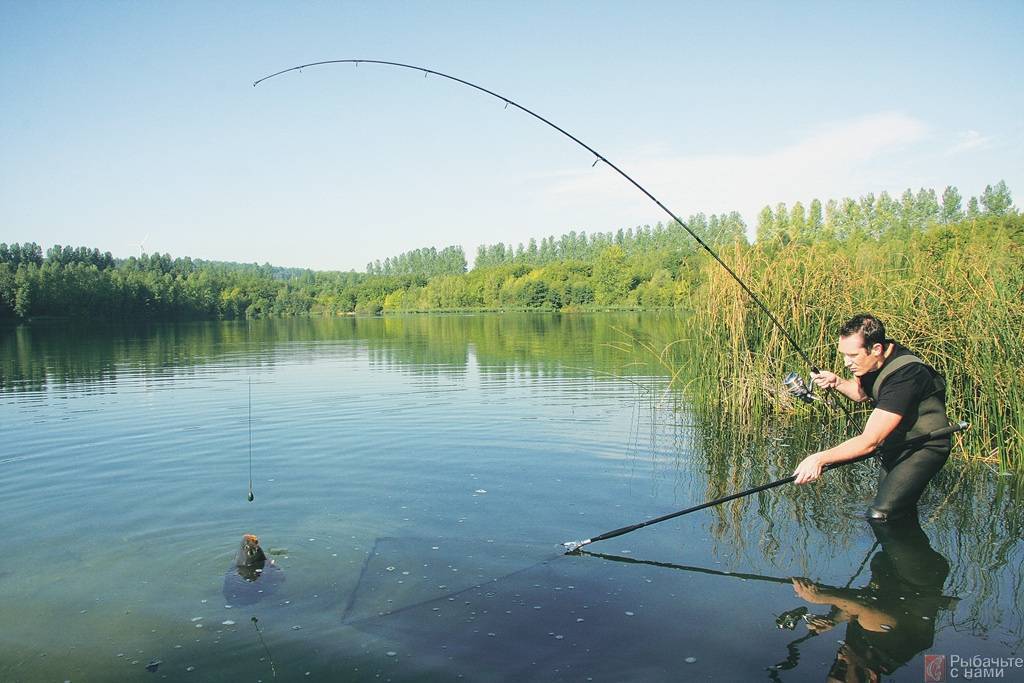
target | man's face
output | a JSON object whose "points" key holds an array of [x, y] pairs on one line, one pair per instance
{"points": [[858, 359]]}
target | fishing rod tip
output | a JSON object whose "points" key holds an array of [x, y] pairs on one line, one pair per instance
{"points": [[572, 546]]}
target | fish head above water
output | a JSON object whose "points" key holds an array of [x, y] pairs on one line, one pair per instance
{"points": [[250, 554], [253, 575]]}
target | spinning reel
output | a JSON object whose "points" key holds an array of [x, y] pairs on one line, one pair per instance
{"points": [[789, 620], [798, 388]]}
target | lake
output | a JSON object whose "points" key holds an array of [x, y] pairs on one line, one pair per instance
{"points": [[413, 479]]}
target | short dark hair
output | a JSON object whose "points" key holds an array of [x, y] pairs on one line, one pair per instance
{"points": [[867, 325]]}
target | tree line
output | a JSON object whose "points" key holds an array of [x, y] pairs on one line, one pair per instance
{"points": [[579, 246], [877, 217], [427, 262], [642, 267]]}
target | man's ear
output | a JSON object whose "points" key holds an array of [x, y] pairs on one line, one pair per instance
{"points": [[877, 350]]}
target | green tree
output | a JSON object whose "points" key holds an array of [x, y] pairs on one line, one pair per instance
{"points": [[531, 251], [26, 287], [866, 216], [535, 293], [972, 209], [832, 217], [815, 221], [849, 220], [951, 210], [612, 280], [798, 222], [766, 230], [733, 229], [928, 209], [7, 289], [658, 292], [997, 200], [782, 225]]}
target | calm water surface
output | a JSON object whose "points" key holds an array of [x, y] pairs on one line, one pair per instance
{"points": [[413, 478]]}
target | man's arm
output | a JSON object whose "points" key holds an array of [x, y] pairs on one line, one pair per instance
{"points": [[850, 388], [880, 425], [849, 603]]}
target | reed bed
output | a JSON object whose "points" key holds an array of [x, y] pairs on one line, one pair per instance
{"points": [[954, 294]]}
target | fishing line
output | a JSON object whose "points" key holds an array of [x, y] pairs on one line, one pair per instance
{"points": [[251, 496], [598, 157], [255, 624]]}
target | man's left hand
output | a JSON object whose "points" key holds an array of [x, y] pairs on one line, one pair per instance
{"points": [[809, 469]]}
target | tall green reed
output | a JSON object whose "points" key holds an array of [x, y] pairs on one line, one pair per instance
{"points": [[954, 294]]}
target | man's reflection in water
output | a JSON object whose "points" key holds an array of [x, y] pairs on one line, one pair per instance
{"points": [[892, 619]]}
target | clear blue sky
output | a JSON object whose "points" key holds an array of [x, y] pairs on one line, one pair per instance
{"points": [[136, 123]]}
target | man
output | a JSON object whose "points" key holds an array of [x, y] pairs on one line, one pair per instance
{"points": [[909, 400]]}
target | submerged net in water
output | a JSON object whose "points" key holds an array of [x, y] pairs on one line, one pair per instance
{"points": [[403, 573], [501, 611]]}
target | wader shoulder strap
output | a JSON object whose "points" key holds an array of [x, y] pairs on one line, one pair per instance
{"points": [[891, 367], [931, 412]]}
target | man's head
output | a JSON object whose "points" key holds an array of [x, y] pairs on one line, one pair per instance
{"points": [[862, 344]]}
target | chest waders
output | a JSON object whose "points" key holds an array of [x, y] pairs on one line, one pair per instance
{"points": [[906, 472]]}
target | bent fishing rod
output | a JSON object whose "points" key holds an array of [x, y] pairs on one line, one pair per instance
{"points": [[598, 157], [574, 546]]}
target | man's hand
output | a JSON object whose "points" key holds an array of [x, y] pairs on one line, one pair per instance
{"points": [[818, 623], [806, 589], [825, 379], [809, 469]]}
